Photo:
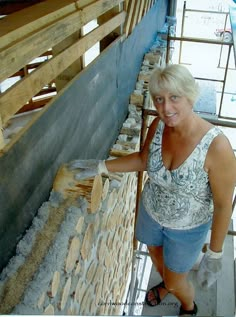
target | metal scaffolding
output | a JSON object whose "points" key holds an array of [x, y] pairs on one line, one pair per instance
{"points": [[229, 45]]}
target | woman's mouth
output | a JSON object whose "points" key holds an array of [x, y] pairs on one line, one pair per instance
{"points": [[170, 115]]}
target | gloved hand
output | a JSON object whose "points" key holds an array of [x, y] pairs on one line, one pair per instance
{"points": [[209, 268], [88, 168]]}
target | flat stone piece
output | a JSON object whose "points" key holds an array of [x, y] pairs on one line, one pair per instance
{"points": [[49, 310], [87, 242], [96, 194], [65, 294], [55, 283], [72, 254], [80, 224]]}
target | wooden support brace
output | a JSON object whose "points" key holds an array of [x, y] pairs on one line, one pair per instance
{"points": [[36, 43], [141, 10], [135, 16], [129, 17], [16, 96], [2, 142]]}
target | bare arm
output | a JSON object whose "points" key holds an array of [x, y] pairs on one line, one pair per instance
{"points": [[136, 161], [222, 176]]}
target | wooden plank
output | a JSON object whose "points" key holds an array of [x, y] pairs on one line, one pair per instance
{"points": [[117, 32], [145, 7], [2, 142], [35, 105], [69, 73], [14, 98], [20, 24], [135, 17], [149, 4], [129, 16], [21, 53], [141, 10], [126, 5]]}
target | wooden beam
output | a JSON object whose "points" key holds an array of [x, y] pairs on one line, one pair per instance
{"points": [[116, 33], [149, 4], [35, 105], [126, 5], [69, 73], [20, 24], [135, 16], [141, 10], [130, 12], [19, 54], [2, 142], [146, 7], [15, 97]]}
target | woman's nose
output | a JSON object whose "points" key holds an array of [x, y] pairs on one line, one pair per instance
{"points": [[166, 105]]}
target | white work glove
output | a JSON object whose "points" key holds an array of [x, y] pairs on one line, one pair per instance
{"points": [[209, 268], [88, 168]]}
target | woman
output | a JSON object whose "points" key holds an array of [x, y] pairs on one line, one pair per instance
{"points": [[191, 169]]}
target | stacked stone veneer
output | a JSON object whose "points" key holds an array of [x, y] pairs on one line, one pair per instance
{"points": [[76, 257]]}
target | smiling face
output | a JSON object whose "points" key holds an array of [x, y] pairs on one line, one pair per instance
{"points": [[174, 92], [173, 109]]}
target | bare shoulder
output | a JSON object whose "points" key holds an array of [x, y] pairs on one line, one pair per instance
{"points": [[221, 143], [221, 169], [220, 154]]}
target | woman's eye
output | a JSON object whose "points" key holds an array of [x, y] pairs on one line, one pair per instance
{"points": [[174, 98], [159, 99]]}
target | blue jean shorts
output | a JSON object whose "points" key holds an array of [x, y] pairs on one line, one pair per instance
{"points": [[181, 248]]}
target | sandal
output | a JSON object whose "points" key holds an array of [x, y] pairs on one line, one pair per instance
{"points": [[192, 312], [156, 294]]}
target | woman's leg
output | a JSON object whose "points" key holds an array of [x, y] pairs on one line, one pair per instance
{"points": [[176, 283], [156, 254], [180, 287]]}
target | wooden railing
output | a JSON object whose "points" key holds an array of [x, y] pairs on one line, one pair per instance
{"points": [[55, 29]]}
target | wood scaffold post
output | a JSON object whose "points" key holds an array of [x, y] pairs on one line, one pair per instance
{"points": [[144, 128], [140, 174], [138, 194], [2, 142]]}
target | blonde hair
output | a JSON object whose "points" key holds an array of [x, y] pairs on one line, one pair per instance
{"points": [[175, 79]]}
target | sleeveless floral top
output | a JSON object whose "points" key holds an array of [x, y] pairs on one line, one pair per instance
{"points": [[180, 198]]}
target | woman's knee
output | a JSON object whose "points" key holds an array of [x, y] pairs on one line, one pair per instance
{"points": [[174, 282], [155, 250], [172, 286]]}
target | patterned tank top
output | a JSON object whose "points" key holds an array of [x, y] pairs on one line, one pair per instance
{"points": [[180, 198]]}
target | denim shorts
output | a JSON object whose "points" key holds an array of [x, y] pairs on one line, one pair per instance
{"points": [[181, 248]]}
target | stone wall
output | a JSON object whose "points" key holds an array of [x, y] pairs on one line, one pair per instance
{"points": [[76, 257]]}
